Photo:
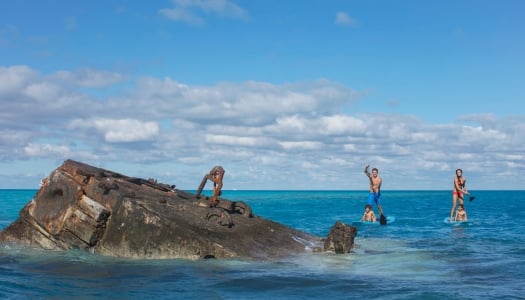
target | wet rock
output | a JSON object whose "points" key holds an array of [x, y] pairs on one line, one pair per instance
{"points": [[341, 238]]}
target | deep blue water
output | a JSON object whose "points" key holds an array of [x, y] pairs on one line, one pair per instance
{"points": [[416, 257]]}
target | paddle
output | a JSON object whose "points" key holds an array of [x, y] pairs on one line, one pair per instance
{"points": [[382, 220], [470, 197]]}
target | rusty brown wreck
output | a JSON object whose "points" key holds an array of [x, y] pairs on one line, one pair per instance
{"points": [[100, 211]]}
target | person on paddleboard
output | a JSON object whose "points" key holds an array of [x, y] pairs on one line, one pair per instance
{"points": [[368, 215], [374, 197], [458, 192], [461, 214]]}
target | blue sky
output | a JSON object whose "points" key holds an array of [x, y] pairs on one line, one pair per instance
{"points": [[282, 94]]}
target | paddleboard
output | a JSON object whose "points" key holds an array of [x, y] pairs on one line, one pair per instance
{"points": [[456, 223], [389, 220]]}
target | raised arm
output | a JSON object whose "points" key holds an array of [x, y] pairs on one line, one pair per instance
{"points": [[366, 171]]}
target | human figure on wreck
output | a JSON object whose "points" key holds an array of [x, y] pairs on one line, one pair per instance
{"points": [[215, 175]]}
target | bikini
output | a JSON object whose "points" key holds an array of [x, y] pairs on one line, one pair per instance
{"points": [[461, 185]]}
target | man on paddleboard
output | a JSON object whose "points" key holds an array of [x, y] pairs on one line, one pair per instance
{"points": [[374, 197]]}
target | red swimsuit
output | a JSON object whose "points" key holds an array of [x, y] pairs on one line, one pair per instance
{"points": [[461, 185]]}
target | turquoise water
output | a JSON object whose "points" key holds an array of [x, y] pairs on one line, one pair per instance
{"points": [[416, 257]]}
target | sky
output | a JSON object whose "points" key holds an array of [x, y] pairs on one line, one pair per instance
{"points": [[283, 94]]}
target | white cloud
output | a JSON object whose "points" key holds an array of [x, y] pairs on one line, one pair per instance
{"points": [[301, 145], [31, 100], [182, 15], [60, 152], [342, 18], [249, 103], [46, 150], [234, 140], [194, 11], [341, 124], [118, 131], [291, 123], [42, 91], [296, 129], [14, 78]]}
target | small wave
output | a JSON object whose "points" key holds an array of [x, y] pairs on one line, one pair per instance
{"points": [[309, 245]]}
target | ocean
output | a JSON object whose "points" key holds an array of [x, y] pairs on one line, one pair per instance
{"points": [[418, 256]]}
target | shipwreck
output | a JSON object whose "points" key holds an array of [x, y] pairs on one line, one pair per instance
{"points": [[104, 212]]}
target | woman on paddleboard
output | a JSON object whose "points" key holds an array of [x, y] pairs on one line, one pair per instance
{"points": [[458, 192]]}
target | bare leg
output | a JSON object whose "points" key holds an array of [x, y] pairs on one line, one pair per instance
{"points": [[453, 209], [461, 200]]}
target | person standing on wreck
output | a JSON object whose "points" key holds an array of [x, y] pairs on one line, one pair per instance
{"points": [[215, 175], [374, 197]]}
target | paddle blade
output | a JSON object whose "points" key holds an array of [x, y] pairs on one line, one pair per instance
{"points": [[471, 198], [382, 220]]}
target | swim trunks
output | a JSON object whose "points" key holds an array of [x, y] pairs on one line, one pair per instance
{"points": [[374, 198]]}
